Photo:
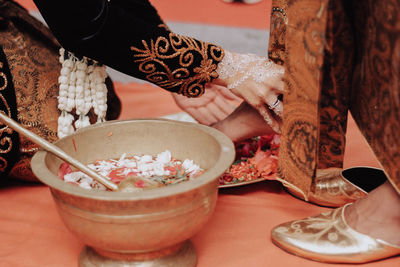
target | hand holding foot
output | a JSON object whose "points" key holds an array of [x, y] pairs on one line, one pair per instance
{"points": [[255, 79], [245, 122], [215, 105]]}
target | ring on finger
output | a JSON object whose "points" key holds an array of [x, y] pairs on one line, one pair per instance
{"points": [[275, 104], [276, 107]]}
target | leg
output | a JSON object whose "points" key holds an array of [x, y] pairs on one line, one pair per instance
{"points": [[377, 214]]}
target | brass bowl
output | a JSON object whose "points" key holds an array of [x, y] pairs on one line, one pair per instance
{"points": [[153, 226]]}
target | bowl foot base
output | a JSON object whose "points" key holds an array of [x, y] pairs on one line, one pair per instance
{"points": [[185, 257]]}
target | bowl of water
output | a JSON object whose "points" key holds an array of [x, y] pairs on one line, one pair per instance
{"points": [[151, 227]]}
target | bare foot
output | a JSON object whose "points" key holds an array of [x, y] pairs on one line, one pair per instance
{"points": [[377, 215]]}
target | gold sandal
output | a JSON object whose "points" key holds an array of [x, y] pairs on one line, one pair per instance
{"points": [[328, 238], [335, 187]]}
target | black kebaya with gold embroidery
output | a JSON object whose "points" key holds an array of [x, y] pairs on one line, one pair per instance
{"points": [[129, 35]]}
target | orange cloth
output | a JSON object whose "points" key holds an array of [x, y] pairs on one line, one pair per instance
{"points": [[138, 101], [238, 234]]}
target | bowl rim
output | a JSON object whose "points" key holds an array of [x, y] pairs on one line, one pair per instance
{"points": [[221, 165]]}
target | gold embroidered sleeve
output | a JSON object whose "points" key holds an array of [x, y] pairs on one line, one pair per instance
{"points": [[177, 63]]}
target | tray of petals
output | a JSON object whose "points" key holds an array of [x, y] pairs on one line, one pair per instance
{"points": [[256, 160]]}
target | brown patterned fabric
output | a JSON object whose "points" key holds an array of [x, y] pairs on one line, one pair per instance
{"points": [[276, 51], [299, 142], [336, 53], [375, 101], [32, 55]]}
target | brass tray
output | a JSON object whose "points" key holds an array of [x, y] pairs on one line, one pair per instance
{"points": [[269, 177]]}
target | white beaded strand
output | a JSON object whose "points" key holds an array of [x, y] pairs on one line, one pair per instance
{"points": [[66, 93], [99, 92], [80, 103], [82, 86]]}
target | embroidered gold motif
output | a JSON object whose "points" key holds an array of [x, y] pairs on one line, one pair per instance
{"points": [[173, 62], [6, 143], [3, 76]]}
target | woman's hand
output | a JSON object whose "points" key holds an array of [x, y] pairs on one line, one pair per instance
{"points": [[255, 79], [245, 122], [215, 105]]}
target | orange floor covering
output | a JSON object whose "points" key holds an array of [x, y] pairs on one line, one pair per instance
{"points": [[32, 234]]}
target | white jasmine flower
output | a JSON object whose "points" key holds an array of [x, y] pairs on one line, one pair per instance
{"points": [[189, 166], [164, 157], [126, 171], [74, 176], [130, 164], [86, 180], [159, 169], [104, 173], [144, 167], [146, 158], [121, 162], [85, 185], [122, 157], [145, 174]]}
